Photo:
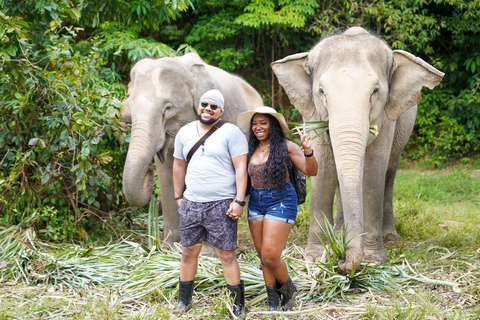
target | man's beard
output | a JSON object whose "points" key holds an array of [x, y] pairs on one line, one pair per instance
{"points": [[207, 122]]}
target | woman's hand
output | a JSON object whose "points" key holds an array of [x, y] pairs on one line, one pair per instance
{"points": [[235, 211], [305, 139]]}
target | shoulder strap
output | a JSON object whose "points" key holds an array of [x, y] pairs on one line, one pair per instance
{"points": [[202, 139]]}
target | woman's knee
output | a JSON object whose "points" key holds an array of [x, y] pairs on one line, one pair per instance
{"points": [[271, 261]]}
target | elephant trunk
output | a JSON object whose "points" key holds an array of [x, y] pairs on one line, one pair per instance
{"points": [[138, 170], [349, 150], [349, 137]]}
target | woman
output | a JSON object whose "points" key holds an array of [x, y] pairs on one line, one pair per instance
{"points": [[272, 208]]}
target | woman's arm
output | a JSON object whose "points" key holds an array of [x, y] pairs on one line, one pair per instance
{"points": [[304, 160]]}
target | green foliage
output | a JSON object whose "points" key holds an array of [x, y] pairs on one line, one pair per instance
{"points": [[217, 39], [226, 34], [444, 134], [139, 15], [123, 46], [63, 146], [267, 13], [61, 141]]}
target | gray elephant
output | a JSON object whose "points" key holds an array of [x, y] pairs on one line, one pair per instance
{"points": [[164, 95], [354, 80]]}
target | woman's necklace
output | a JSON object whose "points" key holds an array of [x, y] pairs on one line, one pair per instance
{"points": [[263, 148]]}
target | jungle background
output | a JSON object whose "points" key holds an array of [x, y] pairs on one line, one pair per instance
{"points": [[64, 70]]}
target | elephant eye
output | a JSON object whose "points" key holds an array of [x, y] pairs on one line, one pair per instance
{"points": [[321, 91], [167, 109], [375, 90]]}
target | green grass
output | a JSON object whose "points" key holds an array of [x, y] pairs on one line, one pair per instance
{"points": [[437, 216]]}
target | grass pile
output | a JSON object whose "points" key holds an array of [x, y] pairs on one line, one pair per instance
{"points": [[368, 277], [136, 275]]}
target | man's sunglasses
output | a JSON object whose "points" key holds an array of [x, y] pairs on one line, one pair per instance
{"points": [[212, 106]]}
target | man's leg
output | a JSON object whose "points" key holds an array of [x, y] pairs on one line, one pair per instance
{"points": [[231, 270], [189, 262], [188, 269]]}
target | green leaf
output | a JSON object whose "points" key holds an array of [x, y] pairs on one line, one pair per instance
{"points": [[33, 141], [79, 116], [45, 178]]}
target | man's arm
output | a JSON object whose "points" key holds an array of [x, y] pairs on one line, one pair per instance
{"points": [[241, 179], [179, 173]]}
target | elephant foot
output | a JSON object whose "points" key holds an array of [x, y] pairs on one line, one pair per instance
{"points": [[390, 237], [375, 256], [315, 253], [353, 258]]}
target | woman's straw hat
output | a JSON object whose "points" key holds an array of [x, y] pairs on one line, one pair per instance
{"points": [[244, 118]]}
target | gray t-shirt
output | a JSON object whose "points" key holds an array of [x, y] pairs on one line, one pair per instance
{"points": [[210, 172]]}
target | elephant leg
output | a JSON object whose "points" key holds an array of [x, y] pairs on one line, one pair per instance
{"points": [[403, 129], [322, 194], [389, 231], [171, 218], [376, 163], [373, 216]]}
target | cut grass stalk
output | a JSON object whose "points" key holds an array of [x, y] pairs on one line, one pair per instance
{"points": [[319, 127]]}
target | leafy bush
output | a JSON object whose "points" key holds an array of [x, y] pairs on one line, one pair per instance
{"points": [[445, 134], [62, 144]]}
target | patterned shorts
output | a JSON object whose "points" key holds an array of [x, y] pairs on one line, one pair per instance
{"points": [[207, 221]]}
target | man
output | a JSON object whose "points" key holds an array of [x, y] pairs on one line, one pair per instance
{"points": [[216, 180]]}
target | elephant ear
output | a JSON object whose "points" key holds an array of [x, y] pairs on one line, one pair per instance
{"points": [[203, 82], [409, 75], [294, 77]]}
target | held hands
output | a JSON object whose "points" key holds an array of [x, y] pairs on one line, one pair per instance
{"points": [[305, 139], [235, 211]]}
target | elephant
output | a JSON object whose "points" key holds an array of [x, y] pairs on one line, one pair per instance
{"points": [[354, 80], [163, 96]]}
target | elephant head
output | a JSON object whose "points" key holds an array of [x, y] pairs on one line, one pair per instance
{"points": [[163, 97], [353, 80]]}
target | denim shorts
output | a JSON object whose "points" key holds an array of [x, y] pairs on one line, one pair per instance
{"points": [[279, 204]]}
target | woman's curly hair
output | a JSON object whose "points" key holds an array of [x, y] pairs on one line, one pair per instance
{"points": [[275, 168]]}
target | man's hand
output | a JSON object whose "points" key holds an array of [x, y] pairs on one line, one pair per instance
{"points": [[235, 211]]}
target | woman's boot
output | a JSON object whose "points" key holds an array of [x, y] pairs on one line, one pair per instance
{"points": [[238, 293], [289, 291], [273, 298], [185, 291]]}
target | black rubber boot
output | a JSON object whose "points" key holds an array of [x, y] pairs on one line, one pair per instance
{"points": [[289, 291], [273, 298], [238, 293], [185, 291]]}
